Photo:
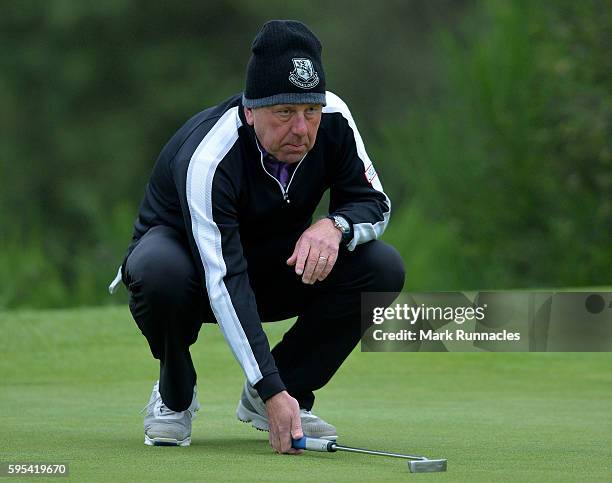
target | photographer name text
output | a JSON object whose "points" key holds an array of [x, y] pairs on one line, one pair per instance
{"points": [[446, 335]]}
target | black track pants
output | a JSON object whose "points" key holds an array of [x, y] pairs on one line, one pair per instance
{"points": [[169, 304]]}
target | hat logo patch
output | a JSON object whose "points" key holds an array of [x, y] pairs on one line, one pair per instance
{"points": [[303, 74]]}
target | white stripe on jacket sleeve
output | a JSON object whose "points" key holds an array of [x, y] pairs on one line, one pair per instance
{"points": [[362, 232], [202, 166]]}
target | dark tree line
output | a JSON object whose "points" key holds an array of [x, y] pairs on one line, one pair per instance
{"points": [[489, 123]]}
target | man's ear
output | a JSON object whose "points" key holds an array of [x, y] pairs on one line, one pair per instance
{"points": [[248, 114]]}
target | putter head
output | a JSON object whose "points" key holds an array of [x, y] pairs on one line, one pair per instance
{"points": [[426, 466]]}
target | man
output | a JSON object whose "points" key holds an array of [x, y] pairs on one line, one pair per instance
{"points": [[224, 234]]}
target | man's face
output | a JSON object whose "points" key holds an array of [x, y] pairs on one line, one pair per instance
{"points": [[286, 131]]}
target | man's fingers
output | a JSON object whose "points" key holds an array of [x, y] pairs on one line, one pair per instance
{"points": [[322, 239], [285, 441], [295, 433], [311, 265], [296, 428], [331, 261], [291, 260], [320, 268], [302, 256], [273, 440], [283, 411]]}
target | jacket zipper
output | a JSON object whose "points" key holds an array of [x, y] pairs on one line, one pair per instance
{"points": [[284, 192]]}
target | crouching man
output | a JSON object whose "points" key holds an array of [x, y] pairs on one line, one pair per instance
{"points": [[225, 234]]}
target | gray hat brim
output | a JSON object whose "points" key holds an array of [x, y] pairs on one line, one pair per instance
{"points": [[288, 98]]}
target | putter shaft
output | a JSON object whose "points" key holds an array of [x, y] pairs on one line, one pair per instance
{"points": [[337, 447], [416, 464]]}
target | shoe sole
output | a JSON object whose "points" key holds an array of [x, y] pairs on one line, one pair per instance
{"points": [[247, 416], [166, 441], [260, 423]]}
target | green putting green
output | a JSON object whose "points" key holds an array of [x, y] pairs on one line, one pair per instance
{"points": [[72, 383]]}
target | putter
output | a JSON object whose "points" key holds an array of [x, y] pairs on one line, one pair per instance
{"points": [[416, 464]]}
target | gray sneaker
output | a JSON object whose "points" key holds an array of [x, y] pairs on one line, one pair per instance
{"points": [[251, 409], [165, 427]]}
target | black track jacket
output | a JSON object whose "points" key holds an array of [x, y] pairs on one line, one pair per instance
{"points": [[210, 183]]}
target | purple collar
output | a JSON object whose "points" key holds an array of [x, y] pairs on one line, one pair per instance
{"points": [[281, 171]]}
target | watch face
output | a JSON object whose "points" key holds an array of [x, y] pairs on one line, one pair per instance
{"points": [[342, 224]]}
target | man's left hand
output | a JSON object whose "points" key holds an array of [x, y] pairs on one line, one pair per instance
{"points": [[316, 251]]}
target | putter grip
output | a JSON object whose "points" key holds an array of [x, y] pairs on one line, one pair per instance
{"points": [[313, 444]]}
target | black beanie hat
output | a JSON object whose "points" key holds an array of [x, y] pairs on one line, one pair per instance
{"points": [[285, 66]]}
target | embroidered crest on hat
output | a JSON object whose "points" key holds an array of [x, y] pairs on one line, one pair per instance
{"points": [[303, 75]]}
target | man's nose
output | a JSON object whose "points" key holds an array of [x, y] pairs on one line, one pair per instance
{"points": [[299, 126]]}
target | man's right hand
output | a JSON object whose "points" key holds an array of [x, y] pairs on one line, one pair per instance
{"points": [[284, 420]]}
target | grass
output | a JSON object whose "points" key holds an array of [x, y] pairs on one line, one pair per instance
{"points": [[72, 383]]}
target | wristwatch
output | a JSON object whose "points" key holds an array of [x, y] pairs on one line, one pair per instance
{"points": [[341, 224]]}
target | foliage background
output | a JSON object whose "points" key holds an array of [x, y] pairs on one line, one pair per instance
{"points": [[489, 122]]}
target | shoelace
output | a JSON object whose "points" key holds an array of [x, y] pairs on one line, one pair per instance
{"points": [[308, 413], [166, 410], [146, 408], [163, 409]]}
